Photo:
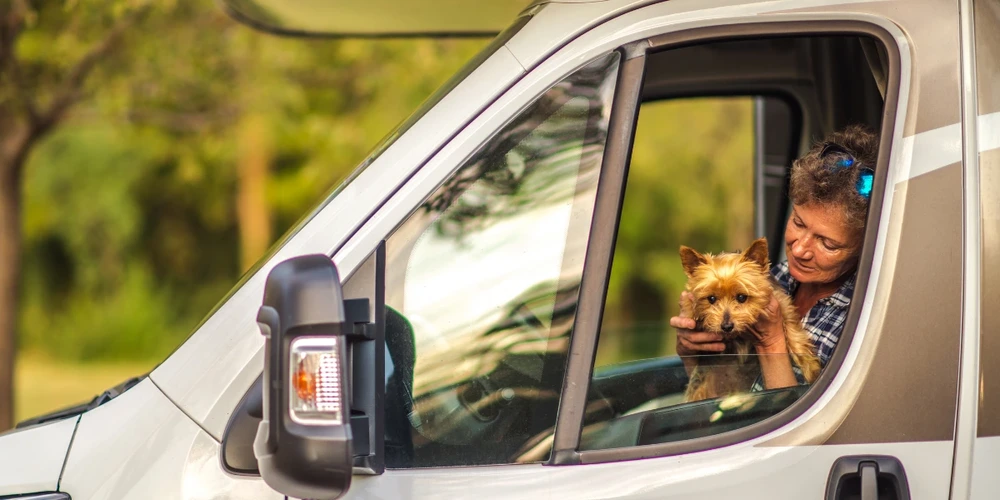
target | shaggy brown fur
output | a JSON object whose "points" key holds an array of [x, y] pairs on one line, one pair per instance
{"points": [[731, 291]]}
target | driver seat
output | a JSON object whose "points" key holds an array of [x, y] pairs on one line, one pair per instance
{"points": [[400, 360]]}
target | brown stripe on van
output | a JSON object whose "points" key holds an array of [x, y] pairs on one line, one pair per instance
{"points": [[909, 386], [988, 423], [987, 24], [932, 28]]}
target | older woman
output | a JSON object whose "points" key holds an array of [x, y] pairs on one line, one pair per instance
{"points": [[830, 190]]}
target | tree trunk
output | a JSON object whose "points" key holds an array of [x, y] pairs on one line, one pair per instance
{"points": [[13, 136], [10, 271], [253, 214]]}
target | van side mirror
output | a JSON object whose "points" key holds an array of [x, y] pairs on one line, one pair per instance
{"points": [[303, 444]]}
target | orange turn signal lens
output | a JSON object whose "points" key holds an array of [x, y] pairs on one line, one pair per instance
{"points": [[316, 394], [305, 383]]}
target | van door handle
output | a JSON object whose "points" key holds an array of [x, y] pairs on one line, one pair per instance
{"points": [[869, 480], [867, 477]]}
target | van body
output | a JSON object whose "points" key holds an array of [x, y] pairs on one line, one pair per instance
{"points": [[512, 406]]}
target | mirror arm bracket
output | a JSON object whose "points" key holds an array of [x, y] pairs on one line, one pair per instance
{"points": [[357, 313]]}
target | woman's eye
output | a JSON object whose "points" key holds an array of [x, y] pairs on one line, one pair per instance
{"points": [[798, 223], [711, 299], [741, 298]]}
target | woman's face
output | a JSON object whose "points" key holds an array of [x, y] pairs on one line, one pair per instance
{"points": [[819, 245]]}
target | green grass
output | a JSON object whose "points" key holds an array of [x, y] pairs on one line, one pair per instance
{"points": [[43, 384]]}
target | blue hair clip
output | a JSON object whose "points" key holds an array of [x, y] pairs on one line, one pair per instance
{"points": [[866, 176], [865, 180]]}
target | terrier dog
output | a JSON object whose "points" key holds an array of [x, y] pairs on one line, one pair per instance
{"points": [[731, 291]]}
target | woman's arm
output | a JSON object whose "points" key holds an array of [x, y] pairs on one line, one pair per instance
{"points": [[772, 350]]}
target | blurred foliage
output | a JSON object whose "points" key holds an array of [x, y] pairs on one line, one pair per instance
{"points": [[690, 183], [194, 148], [201, 143]]}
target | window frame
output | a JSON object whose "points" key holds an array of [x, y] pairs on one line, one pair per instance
{"points": [[610, 195]]}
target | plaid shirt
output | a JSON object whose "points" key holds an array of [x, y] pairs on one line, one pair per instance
{"points": [[825, 320]]}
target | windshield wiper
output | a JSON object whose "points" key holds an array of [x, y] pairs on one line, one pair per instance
{"points": [[73, 411]]}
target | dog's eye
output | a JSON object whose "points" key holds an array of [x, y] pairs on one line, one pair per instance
{"points": [[741, 298], [711, 299]]}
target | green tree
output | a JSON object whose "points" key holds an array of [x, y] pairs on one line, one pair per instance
{"points": [[154, 151], [47, 53]]}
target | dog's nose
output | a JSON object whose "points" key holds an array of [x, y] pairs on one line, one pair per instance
{"points": [[727, 327]]}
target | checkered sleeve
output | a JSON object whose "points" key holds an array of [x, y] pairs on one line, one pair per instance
{"points": [[825, 332]]}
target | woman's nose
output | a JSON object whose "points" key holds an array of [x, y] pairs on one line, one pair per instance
{"points": [[799, 248]]}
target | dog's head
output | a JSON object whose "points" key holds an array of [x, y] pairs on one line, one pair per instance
{"points": [[730, 290]]}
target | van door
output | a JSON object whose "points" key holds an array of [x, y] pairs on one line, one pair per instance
{"points": [[528, 301]]}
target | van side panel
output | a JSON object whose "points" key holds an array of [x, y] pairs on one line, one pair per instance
{"points": [[987, 26], [988, 423], [986, 451]]}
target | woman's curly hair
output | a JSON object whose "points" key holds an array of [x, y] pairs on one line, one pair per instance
{"points": [[830, 173]]}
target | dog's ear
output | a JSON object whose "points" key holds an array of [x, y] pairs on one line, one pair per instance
{"points": [[757, 252], [691, 259]]}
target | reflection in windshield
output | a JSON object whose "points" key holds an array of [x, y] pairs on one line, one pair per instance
{"points": [[487, 272]]}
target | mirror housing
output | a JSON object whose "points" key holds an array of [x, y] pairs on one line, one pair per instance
{"points": [[304, 442]]}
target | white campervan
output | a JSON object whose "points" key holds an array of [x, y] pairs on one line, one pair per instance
{"points": [[430, 330]]}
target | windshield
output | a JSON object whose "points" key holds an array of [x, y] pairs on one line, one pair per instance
{"points": [[426, 106], [377, 151]]}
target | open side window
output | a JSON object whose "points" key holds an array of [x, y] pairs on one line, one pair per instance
{"points": [[718, 127]]}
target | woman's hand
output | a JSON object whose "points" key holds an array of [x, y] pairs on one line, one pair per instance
{"points": [[770, 330], [770, 335], [689, 341]]}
